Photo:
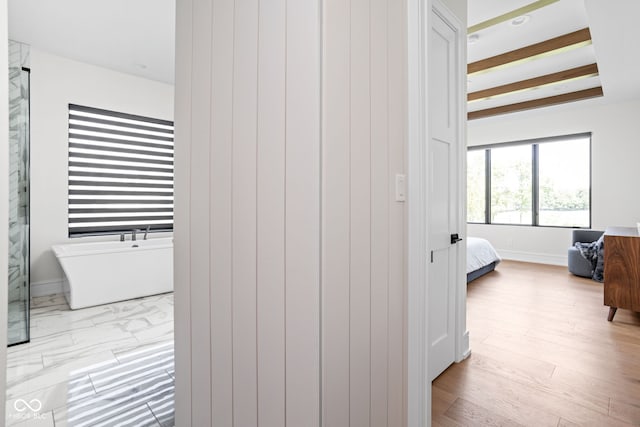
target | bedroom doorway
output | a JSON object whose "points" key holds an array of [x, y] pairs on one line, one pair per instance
{"points": [[437, 331]]}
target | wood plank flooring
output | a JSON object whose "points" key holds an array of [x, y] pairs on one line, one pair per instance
{"points": [[542, 354]]}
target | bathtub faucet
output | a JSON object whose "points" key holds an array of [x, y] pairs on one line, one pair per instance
{"points": [[133, 234], [146, 231]]}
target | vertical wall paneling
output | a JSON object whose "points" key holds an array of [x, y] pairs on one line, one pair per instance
{"points": [[247, 231], [182, 283], [245, 67], [397, 110], [199, 213], [302, 211], [221, 213], [271, 212], [363, 279], [380, 206], [251, 203], [335, 212], [360, 227]]}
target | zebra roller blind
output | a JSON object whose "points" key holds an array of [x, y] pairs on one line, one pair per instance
{"points": [[120, 172]]}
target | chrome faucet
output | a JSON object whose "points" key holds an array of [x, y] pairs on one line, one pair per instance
{"points": [[146, 231], [133, 234], [122, 237]]}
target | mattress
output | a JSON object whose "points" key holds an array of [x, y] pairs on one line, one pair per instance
{"points": [[480, 254]]}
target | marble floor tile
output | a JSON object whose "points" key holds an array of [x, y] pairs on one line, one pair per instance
{"points": [[100, 366], [17, 371], [90, 313], [163, 407], [57, 373], [85, 348], [32, 351], [135, 367], [106, 331], [134, 309], [164, 331], [145, 351], [53, 318], [48, 301], [127, 402], [129, 347], [54, 327], [140, 416]]}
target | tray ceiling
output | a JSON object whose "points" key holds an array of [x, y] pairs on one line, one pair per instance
{"points": [[523, 55]]}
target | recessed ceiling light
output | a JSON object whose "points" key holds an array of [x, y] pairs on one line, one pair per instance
{"points": [[520, 20], [473, 38]]}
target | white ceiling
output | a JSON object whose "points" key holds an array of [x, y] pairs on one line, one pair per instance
{"points": [[611, 25], [131, 36]]}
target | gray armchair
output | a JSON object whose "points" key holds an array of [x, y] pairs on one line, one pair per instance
{"points": [[577, 264]]}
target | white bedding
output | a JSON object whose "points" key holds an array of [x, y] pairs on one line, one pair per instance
{"points": [[480, 253]]}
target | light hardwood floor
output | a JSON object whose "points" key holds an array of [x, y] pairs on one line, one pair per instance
{"points": [[543, 354]]}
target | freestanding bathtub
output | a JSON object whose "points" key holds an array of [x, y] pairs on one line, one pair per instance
{"points": [[105, 272]]}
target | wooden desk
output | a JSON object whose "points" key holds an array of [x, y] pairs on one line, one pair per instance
{"points": [[621, 269]]}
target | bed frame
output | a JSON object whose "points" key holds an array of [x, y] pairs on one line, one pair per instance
{"points": [[481, 272]]}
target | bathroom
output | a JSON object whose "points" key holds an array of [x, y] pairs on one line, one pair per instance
{"points": [[90, 259]]}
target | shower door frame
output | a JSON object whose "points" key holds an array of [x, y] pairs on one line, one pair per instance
{"points": [[28, 216]]}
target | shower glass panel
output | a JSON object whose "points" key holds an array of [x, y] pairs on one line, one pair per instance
{"points": [[18, 314]]}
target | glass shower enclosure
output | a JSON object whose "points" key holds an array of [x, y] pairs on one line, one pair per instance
{"points": [[19, 296]]}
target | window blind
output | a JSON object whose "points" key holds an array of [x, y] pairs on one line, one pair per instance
{"points": [[120, 172]]}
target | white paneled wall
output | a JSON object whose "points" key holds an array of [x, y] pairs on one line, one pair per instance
{"points": [[364, 122], [290, 266], [247, 236]]}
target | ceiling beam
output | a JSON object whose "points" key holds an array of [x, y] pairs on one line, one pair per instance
{"points": [[547, 47], [510, 15], [561, 76], [536, 103]]}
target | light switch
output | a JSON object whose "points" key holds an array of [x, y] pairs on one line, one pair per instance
{"points": [[401, 187]]}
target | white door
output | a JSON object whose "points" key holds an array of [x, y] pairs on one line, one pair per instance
{"points": [[443, 146]]}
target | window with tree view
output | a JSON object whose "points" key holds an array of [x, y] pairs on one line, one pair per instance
{"points": [[544, 182]]}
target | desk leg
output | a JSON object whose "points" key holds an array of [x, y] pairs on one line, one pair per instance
{"points": [[612, 312]]}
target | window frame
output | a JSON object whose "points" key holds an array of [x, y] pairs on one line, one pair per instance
{"points": [[535, 177]]}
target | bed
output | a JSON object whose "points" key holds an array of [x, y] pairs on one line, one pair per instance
{"points": [[482, 258]]}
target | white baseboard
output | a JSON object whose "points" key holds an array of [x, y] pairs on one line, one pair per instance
{"points": [[47, 287], [533, 257]]}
